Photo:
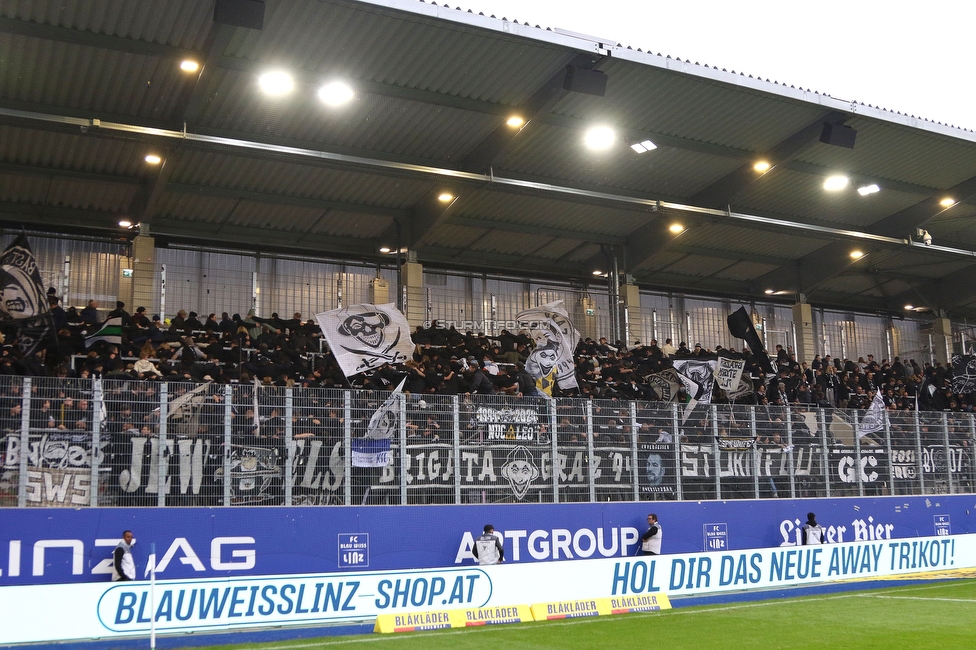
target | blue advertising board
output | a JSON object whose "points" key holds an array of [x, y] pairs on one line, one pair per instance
{"points": [[47, 545]]}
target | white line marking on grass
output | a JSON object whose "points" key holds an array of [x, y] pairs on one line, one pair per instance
{"points": [[947, 600]]}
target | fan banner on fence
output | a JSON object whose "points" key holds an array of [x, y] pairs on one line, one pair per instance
{"points": [[516, 471], [506, 424], [364, 337], [555, 343], [873, 419], [656, 469], [741, 327], [110, 332], [666, 384], [728, 372], [22, 298], [963, 373], [698, 377]]}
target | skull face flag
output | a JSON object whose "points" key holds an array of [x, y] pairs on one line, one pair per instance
{"points": [[22, 299], [364, 337]]}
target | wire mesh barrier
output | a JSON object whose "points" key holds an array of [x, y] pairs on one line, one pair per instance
{"points": [[90, 443]]}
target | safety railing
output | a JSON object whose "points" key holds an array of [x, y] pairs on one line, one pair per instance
{"points": [[91, 443]]}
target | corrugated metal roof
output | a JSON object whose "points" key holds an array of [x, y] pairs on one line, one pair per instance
{"points": [[369, 123], [180, 23], [888, 151], [558, 153], [538, 212], [660, 101], [72, 152], [452, 59], [510, 243], [800, 196], [743, 271], [289, 179], [87, 78], [730, 238]]}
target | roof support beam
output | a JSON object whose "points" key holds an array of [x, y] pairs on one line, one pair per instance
{"points": [[486, 153]]}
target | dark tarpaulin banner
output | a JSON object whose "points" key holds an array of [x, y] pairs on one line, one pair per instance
{"points": [[23, 302]]}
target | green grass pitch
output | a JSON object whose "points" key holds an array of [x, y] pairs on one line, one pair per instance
{"points": [[936, 615]]}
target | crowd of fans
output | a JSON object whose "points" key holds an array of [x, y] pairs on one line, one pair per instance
{"points": [[290, 352]]}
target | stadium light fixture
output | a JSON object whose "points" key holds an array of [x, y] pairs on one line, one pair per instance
{"points": [[762, 166], [385, 249], [864, 190], [515, 121], [445, 197], [276, 83], [335, 93], [153, 159], [599, 138], [676, 228], [947, 202], [643, 147], [189, 65], [835, 183], [597, 272], [125, 224], [770, 292], [909, 307], [857, 254]]}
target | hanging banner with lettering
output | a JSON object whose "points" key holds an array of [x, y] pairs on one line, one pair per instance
{"points": [[59, 467], [728, 372], [512, 473], [507, 424]]}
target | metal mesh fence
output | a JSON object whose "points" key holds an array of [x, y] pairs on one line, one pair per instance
{"points": [[91, 443]]}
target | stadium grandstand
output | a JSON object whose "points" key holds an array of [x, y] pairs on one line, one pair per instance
{"points": [[567, 271]]}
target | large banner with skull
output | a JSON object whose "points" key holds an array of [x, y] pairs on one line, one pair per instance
{"points": [[364, 337]]}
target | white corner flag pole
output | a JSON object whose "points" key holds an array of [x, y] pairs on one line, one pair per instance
{"points": [[152, 596]]}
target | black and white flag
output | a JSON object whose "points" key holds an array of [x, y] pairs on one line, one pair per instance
{"points": [[23, 302], [374, 450], [666, 384], [698, 377], [873, 419], [963, 373], [364, 337], [555, 340]]}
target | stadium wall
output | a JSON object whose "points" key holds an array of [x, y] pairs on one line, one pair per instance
{"points": [[207, 281], [49, 546]]}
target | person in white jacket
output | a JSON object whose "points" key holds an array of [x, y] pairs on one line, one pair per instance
{"points": [[123, 565]]}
